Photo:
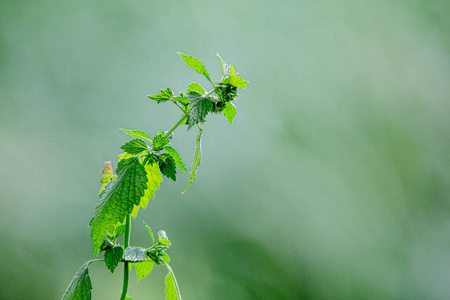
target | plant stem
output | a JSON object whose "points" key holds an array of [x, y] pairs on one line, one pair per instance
{"points": [[175, 126], [94, 261], [125, 268]]}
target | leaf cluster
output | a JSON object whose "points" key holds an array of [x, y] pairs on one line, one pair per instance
{"points": [[196, 103]]}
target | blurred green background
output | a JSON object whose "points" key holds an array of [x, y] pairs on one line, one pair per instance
{"points": [[333, 182]]}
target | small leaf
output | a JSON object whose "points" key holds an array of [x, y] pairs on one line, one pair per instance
{"points": [[143, 269], [163, 96], [150, 232], [182, 100], [107, 244], [135, 146], [172, 291], [134, 254], [113, 257], [162, 238], [200, 107], [196, 87], [176, 157], [159, 142], [165, 257], [80, 287], [236, 81], [195, 64], [128, 298], [229, 112], [119, 230], [197, 159], [137, 134], [167, 166]]}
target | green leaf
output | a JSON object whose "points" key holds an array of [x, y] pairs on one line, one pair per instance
{"points": [[236, 81], [128, 298], [165, 257], [159, 142], [119, 230], [229, 112], [80, 287], [107, 244], [133, 254], [137, 134], [135, 146], [163, 96], [197, 159], [143, 269], [195, 64], [200, 107], [172, 291], [176, 157], [117, 199], [153, 181], [167, 166], [150, 232], [113, 257], [182, 100], [162, 238], [196, 87]]}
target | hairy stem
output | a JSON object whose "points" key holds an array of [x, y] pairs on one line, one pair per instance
{"points": [[125, 268], [175, 126]]}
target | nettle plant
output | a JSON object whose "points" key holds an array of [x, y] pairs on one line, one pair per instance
{"points": [[138, 176]]}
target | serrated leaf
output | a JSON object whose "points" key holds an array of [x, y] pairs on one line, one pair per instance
{"points": [[113, 257], [162, 238], [154, 179], [80, 286], [200, 107], [133, 254], [176, 156], [143, 269], [172, 291], [163, 96], [150, 232], [167, 166], [117, 199], [137, 134], [195, 64], [236, 81], [135, 146], [197, 159], [229, 112], [196, 87]]}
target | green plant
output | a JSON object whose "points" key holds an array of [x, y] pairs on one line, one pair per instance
{"points": [[138, 176]]}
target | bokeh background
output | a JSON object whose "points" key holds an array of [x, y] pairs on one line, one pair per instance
{"points": [[332, 183]]}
